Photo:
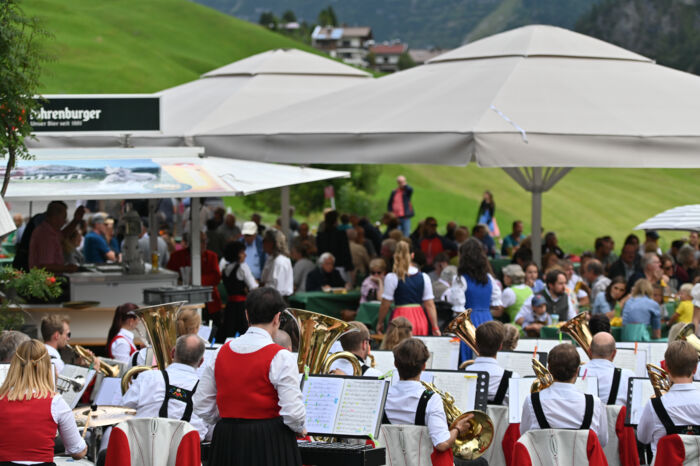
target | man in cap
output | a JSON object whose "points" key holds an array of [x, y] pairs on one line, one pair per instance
{"points": [[95, 247], [254, 254]]}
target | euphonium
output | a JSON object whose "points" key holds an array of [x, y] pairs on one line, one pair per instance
{"points": [[463, 327], [107, 369], [659, 380], [317, 333], [159, 321], [687, 333], [577, 328], [544, 377], [476, 440]]}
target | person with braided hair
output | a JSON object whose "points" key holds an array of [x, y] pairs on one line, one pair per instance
{"points": [[31, 411]]}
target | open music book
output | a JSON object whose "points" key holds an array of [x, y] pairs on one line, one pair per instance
{"points": [[444, 352], [343, 406]]}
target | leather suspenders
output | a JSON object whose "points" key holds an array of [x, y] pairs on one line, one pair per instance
{"points": [[665, 419], [176, 393], [615, 387], [420, 409], [542, 421], [502, 389]]}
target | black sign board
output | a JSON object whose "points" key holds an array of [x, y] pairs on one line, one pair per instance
{"points": [[122, 114]]}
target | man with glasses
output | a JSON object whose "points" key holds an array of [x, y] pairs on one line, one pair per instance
{"points": [[358, 343], [55, 331], [433, 244]]}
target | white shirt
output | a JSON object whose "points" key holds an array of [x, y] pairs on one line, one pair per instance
{"points": [[121, 349], [55, 358], [391, 281], [63, 416], [243, 273], [147, 392], [495, 292], [682, 402], [508, 297], [345, 366], [402, 402], [599, 285], [284, 376], [604, 369], [278, 273], [530, 317], [564, 407], [490, 365]]}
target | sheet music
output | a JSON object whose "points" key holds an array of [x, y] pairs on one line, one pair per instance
{"points": [[204, 332], [209, 354], [656, 353], [322, 398], [627, 359], [384, 361], [4, 369], [80, 374], [520, 363], [461, 386], [444, 352], [546, 345], [110, 393], [642, 391], [519, 389], [527, 344], [360, 407]]}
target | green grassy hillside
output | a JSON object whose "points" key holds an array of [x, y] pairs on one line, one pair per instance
{"points": [[143, 46]]}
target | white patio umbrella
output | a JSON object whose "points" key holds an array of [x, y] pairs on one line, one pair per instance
{"points": [[536, 101], [686, 217]]}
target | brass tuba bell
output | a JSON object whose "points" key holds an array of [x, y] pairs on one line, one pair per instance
{"points": [[464, 329], [659, 379], [544, 377], [577, 328], [159, 321], [317, 333], [473, 443], [687, 333]]}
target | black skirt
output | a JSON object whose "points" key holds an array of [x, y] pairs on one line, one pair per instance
{"points": [[254, 442]]}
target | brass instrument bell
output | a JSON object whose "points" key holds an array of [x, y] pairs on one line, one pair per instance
{"points": [[544, 377], [463, 327], [659, 379], [687, 333], [577, 328], [107, 370]]}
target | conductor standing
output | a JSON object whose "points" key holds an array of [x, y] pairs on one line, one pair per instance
{"points": [[250, 390]]}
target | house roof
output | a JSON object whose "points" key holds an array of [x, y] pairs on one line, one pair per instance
{"points": [[357, 31], [386, 49]]}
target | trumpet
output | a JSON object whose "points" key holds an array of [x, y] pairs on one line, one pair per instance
{"points": [[544, 377], [473, 443], [107, 370]]}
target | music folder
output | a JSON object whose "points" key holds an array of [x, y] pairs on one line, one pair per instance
{"points": [[344, 406], [520, 362]]}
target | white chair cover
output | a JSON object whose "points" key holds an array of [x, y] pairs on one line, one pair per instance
{"points": [[556, 447], [499, 416], [406, 445], [691, 444], [612, 448]]}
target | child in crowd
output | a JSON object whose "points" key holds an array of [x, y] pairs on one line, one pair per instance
{"points": [[511, 338], [398, 330], [684, 311], [533, 320]]}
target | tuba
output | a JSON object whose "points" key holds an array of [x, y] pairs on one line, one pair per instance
{"points": [[106, 369], [659, 380], [476, 440], [544, 377], [159, 321], [577, 328], [317, 333], [687, 333], [463, 327]]}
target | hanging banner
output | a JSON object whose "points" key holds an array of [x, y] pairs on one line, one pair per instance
{"points": [[123, 114]]}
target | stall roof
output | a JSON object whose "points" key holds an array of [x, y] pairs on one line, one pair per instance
{"points": [[141, 173]]}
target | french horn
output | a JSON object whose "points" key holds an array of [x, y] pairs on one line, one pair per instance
{"points": [[577, 329], [464, 329]]}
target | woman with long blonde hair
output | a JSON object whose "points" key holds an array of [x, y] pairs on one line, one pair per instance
{"points": [[31, 411], [412, 293]]}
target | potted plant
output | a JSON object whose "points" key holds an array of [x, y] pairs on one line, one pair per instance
{"points": [[16, 287]]}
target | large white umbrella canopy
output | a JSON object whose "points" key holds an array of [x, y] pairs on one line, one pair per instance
{"points": [[533, 97], [686, 217], [246, 88]]}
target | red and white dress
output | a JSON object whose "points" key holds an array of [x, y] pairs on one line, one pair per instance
{"points": [[251, 391], [122, 347], [29, 428]]}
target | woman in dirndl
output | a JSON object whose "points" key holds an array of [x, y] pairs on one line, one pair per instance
{"points": [[474, 269], [411, 292], [250, 390]]}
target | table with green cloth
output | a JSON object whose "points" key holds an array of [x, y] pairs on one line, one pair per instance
{"points": [[330, 304], [368, 313], [552, 333]]}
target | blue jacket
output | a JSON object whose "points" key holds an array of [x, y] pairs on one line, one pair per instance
{"points": [[407, 206], [259, 247]]}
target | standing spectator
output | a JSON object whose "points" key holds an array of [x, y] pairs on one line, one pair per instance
{"points": [[302, 265], [254, 254], [628, 263], [474, 269], [487, 214], [95, 247], [551, 244], [360, 256], [611, 301], [238, 281], [305, 237], [511, 242], [336, 242], [400, 204], [228, 230], [373, 286], [211, 275], [433, 244], [277, 272], [596, 280], [406, 286], [640, 308]]}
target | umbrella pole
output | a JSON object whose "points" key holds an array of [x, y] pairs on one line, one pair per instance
{"points": [[536, 238]]}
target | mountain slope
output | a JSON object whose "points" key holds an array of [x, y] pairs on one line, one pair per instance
{"points": [[141, 46], [439, 23]]}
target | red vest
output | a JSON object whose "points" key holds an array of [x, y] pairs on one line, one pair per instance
{"points": [[243, 387], [28, 430], [109, 347]]}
